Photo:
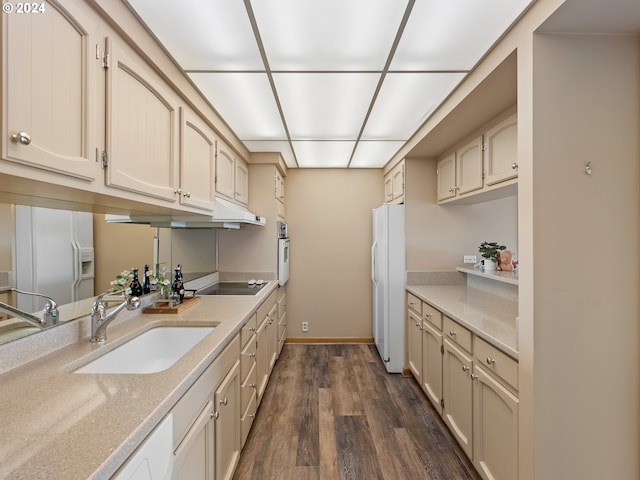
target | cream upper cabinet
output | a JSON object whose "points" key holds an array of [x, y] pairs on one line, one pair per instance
{"points": [[501, 151], [197, 162], [469, 167], [232, 175], [51, 93], [446, 175], [142, 127], [279, 185], [394, 184]]}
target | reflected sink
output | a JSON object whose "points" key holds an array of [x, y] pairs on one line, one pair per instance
{"points": [[152, 351]]}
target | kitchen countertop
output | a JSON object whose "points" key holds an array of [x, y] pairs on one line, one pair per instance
{"points": [[489, 316], [58, 424]]}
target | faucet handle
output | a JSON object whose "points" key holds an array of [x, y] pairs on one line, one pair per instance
{"points": [[133, 303]]}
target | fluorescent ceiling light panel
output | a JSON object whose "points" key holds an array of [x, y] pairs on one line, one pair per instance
{"points": [[203, 35], [328, 34], [404, 103], [273, 146], [325, 106], [453, 35], [371, 154], [245, 101], [323, 154]]}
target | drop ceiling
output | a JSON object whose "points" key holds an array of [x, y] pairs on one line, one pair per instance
{"points": [[328, 83]]}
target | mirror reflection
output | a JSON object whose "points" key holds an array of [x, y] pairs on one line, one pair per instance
{"points": [[68, 258]]}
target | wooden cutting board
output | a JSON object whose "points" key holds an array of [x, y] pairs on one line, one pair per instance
{"points": [[162, 306]]}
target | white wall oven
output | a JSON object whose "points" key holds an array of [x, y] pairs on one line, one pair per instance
{"points": [[283, 253]]}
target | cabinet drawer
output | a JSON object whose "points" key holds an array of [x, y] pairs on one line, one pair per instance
{"points": [[496, 362], [248, 387], [248, 357], [248, 415], [457, 333], [248, 330], [414, 303], [265, 308], [432, 315]]}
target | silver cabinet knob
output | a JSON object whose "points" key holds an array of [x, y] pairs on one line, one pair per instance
{"points": [[215, 415], [187, 195], [474, 376], [514, 166], [491, 361], [22, 138], [178, 191], [428, 315], [252, 355], [452, 333], [252, 415], [465, 368], [450, 189], [224, 402], [252, 329], [252, 385]]}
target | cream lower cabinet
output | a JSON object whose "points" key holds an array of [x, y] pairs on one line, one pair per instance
{"points": [[266, 343], [248, 376], [51, 92], [414, 353], [206, 421], [457, 395], [432, 351], [281, 298]]}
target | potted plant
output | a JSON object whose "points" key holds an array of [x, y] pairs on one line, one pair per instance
{"points": [[489, 251]]}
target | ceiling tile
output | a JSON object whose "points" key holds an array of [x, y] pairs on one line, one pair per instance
{"points": [[273, 146], [453, 35], [245, 101], [325, 106], [211, 35], [323, 154], [372, 154], [328, 35], [404, 103]]}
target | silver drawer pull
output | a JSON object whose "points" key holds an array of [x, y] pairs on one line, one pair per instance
{"points": [[474, 376], [428, 315], [490, 361], [465, 368], [452, 333], [224, 402]]}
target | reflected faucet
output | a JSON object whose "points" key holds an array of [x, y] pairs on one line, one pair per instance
{"points": [[49, 314], [100, 319]]}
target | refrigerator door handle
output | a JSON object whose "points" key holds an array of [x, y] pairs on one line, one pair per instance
{"points": [[373, 261]]}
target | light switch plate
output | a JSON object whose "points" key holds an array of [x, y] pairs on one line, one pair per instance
{"points": [[470, 259]]}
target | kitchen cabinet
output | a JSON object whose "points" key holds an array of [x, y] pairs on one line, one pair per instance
{"points": [[495, 413], [460, 172], [232, 175], [142, 127], [432, 354], [501, 151], [279, 185], [414, 353], [206, 421], [457, 393], [248, 376], [281, 298], [266, 343], [197, 162], [52, 95], [394, 184], [227, 432]]}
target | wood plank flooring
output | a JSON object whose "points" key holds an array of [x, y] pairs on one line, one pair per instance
{"points": [[331, 412]]}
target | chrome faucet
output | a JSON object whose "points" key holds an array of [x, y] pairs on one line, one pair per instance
{"points": [[100, 318], [49, 314]]}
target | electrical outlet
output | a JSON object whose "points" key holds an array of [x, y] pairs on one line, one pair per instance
{"points": [[470, 259], [305, 326]]}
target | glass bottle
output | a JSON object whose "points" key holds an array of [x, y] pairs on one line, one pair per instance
{"points": [[146, 282], [178, 285], [136, 288]]}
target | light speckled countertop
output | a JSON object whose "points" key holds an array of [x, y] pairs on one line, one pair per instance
{"points": [[491, 317], [60, 425]]}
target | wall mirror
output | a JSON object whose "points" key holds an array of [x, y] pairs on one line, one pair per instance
{"points": [[73, 256]]}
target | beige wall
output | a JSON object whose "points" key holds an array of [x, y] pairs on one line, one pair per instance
{"points": [[438, 236], [329, 216]]}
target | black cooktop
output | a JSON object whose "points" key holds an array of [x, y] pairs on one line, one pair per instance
{"points": [[231, 288]]}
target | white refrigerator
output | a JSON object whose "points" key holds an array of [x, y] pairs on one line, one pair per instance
{"points": [[388, 277]]}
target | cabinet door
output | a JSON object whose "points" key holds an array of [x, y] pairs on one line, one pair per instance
{"points": [[279, 180], [495, 428], [272, 336], [197, 162], [194, 456], [388, 187], [501, 154], [457, 394], [432, 364], [225, 171], [241, 193], [447, 177], [469, 167], [227, 402], [262, 358], [414, 330], [398, 183], [50, 96], [142, 127]]}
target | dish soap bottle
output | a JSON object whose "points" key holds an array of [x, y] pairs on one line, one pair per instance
{"points": [[146, 282], [178, 285], [136, 288]]}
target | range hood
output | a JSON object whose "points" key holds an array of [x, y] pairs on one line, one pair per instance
{"points": [[226, 214]]}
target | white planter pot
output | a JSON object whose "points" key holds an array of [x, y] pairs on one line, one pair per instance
{"points": [[489, 265]]}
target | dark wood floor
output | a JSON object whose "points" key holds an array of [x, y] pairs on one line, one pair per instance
{"points": [[332, 412]]}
